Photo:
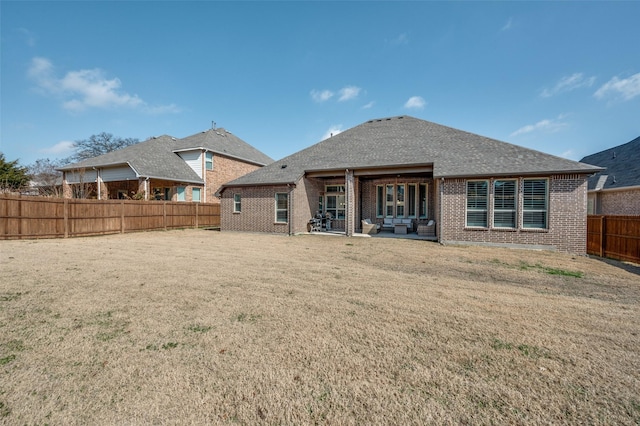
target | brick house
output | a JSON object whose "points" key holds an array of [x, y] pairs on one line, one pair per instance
{"points": [[165, 168], [616, 190], [458, 186]]}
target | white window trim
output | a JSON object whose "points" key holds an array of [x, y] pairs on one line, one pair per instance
{"points": [[545, 210], [279, 210], [466, 205], [516, 204], [237, 203]]}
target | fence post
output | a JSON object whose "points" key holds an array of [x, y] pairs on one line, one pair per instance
{"points": [[122, 217], [65, 220], [164, 214], [196, 215], [603, 235]]}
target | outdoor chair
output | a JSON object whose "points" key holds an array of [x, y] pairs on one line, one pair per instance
{"points": [[369, 228]]}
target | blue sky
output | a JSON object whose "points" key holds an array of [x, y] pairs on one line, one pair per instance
{"points": [[559, 77]]}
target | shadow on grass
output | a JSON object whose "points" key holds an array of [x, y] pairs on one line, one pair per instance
{"points": [[627, 266]]}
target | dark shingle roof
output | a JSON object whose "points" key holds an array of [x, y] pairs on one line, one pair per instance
{"points": [[152, 158], [622, 164], [157, 157], [405, 141], [223, 142]]}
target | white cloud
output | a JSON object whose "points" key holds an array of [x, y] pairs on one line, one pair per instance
{"points": [[572, 82], [61, 148], [333, 130], [369, 105], [508, 25], [348, 93], [547, 125], [321, 96], [84, 89], [415, 102], [627, 88]]}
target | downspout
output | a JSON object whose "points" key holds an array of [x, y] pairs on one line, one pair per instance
{"points": [[290, 208], [99, 182]]}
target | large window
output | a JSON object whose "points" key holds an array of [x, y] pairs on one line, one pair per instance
{"points": [[411, 200], [237, 203], [422, 199], [195, 195], [400, 193], [336, 201], [535, 203], [390, 201], [282, 207], [208, 160], [379, 201], [477, 197], [504, 204], [180, 193]]}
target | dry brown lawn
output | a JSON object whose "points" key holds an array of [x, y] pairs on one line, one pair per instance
{"points": [[203, 327]]}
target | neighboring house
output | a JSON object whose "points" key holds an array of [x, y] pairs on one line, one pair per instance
{"points": [[165, 168], [477, 190], [616, 190]]}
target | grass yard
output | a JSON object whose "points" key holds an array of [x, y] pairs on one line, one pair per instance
{"points": [[203, 327]]}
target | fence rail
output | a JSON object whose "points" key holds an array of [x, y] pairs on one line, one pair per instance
{"points": [[43, 217], [617, 237]]}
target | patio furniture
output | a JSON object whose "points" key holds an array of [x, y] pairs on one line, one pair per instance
{"points": [[400, 228], [369, 228], [406, 225]]}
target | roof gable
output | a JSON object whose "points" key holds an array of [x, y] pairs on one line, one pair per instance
{"points": [[406, 141], [223, 142], [622, 164]]}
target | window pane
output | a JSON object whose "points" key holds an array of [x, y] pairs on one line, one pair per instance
{"points": [[477, 196], [411, 200], [282, 204], [195, 194], [504, 204], [422, 196], [237, 203], [379, 200], [534, 199]]}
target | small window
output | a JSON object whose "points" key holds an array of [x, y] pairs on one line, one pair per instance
{"points": [[477, 196], [237, 203], [535, 203], [195, 195], [504, 204], [180, 193], [208, 160], [282, 208]]}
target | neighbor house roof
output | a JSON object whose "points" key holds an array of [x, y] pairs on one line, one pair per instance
{"points": [[223, 142], [158, 157], [622, 164], [152, 158], [407, 141]]}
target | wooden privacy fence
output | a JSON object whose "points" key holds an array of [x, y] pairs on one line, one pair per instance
{"points": [[617, 237], [42, 217]]}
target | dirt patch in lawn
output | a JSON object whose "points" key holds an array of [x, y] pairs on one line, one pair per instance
{"points": [[206, 327]]}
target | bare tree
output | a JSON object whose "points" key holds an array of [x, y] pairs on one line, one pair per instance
{"points": [[99, 144], [45, 178]]}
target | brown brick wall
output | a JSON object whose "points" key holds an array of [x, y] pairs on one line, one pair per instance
{"points": [[258, 210], [225, 169], [620, 202], [567, 217]]}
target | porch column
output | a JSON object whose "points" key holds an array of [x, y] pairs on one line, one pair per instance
{"points": [[350, 208]]}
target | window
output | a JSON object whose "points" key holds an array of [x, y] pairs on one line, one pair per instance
{"points": [[195, 195], [208, 160], [282, 207], [380, 201], [389, 203], [336, 201], [504, 204], [422, 197], [411, 199], [161, 193], [477, 196], [399, 200], [534, 203], [237, 203], [180, 192]]}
